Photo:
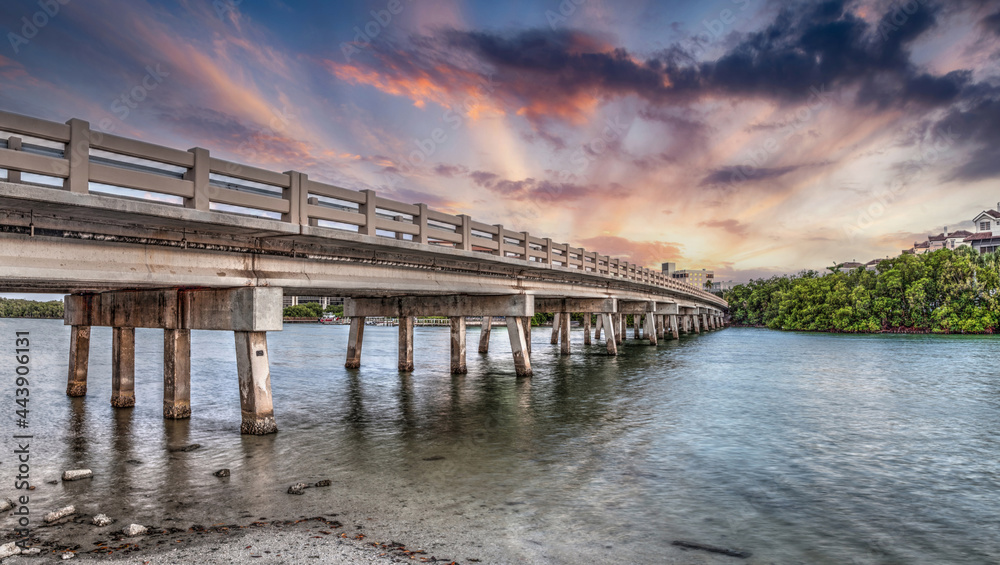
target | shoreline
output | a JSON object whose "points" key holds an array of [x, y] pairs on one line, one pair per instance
{"points": [[894, 331]]}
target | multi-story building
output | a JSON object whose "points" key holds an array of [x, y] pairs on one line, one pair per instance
{"points": [[987, 236], [695, 277]]}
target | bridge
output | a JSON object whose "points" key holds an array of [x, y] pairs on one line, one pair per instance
{"points": [[145, 236]]}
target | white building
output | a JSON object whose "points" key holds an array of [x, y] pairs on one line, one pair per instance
{"points": [[987, 236]]}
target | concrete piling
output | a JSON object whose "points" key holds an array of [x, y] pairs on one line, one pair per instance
{"points": [[609, 331], [484, 334], [518, 345], [586, 328], [176, 374], [79, 359], [123, 367], [458, 366], [355, 338], [256, 404], [405, 354], [564, 322]]}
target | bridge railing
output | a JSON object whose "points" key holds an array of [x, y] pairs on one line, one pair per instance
{"points": [[76, 158]]}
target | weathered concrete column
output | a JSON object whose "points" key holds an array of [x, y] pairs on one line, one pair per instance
{"points": [[458, 346], [637, 326], [598, 326], [526, 323], [177, 374], [660, 322], [405, 352], [556, 323], [704, 322], [697, 326], [355, 338], [674, 329], [564, 333], [609, 330], [518, 345], [620, 329], [123, 367], [484, 334], [79, 359], [651, 328], [586, 328], [256, 405]]}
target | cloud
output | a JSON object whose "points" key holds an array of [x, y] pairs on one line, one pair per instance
{"points": [[736, 175], [977, 126], [646, 253], [734, 227]]}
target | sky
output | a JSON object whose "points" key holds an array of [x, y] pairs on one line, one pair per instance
{"points": [[750, 137]]}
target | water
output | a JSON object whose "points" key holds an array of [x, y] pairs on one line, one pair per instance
{"points": [[802, 448]]}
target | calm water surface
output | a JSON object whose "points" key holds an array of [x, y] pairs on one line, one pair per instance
{"points": [[801, 448]]}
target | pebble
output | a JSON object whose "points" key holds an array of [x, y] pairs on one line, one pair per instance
{"points": [[68, 556], [222, 473], [59, 514], [6, 504], [31, 551], [133, 530], [324, 483], [297, 488], [9, 549], [102, 520], [77, 475]]}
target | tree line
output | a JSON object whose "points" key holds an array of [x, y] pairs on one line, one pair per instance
{"points": [[946, 291], [19, 308]]}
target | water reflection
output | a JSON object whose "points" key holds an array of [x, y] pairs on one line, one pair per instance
{"points": [[801, 448]]}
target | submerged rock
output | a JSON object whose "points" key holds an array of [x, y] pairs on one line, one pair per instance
{"points": [[186, 448], [101, 520], [133, 530], [77, 475], [222, 473], [6, 504], [8, 550], [297, 488], [324, 483], [59, 514]]}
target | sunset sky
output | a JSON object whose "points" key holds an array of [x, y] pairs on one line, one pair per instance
{"points": [[747, 136]]}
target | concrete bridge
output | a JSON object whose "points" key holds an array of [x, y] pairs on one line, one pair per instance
{"points": [[145, 236]]}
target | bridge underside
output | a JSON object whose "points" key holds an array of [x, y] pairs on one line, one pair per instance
{"points": [[132, 263]]}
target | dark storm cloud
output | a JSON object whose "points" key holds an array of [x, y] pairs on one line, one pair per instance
{"points": [[977, 125]]}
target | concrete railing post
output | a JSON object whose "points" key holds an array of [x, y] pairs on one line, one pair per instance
{"points": [[499, 239], [466, 233], [199, 174], [421, 221], [123, 367], [14, 144], [526, 250], [79, 359], [368, 210], [78, 154], [296, 198], [548, 251]]}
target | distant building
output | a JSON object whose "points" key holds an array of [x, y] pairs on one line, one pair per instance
{"points": [[723, 286], [323, 301], [850, 266], [948, 240], [987, 236], [669, 268], [695, 278], [873, 264]]}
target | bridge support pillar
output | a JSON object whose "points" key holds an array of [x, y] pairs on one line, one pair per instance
{"points": [[674, 329], [598, 326], [405, 353], [176, 374], [637, 326], [256, 405], [697, 326], [526, 323], [651, 328], [458, 366], [79, 359], [354, 340], [564, 322], [123, 367], [586, 328], [659, 326], [518, 345], [484, 334], [611, 340], [556, 325], [620, 329]]}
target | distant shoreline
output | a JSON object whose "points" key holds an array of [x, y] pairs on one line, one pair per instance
{"points": [[898, 331]]}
